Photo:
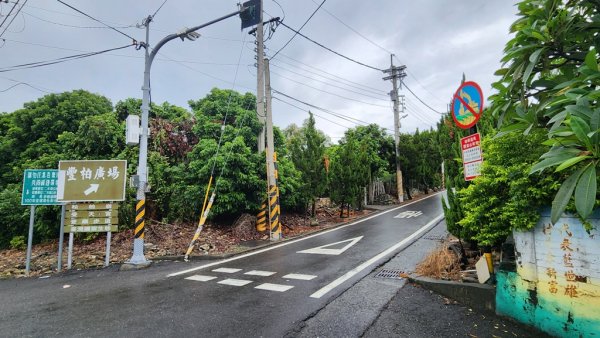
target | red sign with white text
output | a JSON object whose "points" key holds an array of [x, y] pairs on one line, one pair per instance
{"points": [[471, 155]]}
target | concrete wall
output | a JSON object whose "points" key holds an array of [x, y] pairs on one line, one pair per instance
{"points": [[557, 283]]}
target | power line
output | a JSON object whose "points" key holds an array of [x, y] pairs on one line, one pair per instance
{"points": [[319, 116], [373, 89], [109, 26], [14, 16], [330, 93], [161, 6], [329, 49], [355, 31], [59, 60], [25, 84], [338, 115], [418, 98], [8, 15], [327, 83], [304, 24], [73, 26]]}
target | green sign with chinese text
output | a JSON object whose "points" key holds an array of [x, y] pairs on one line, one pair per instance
{"points": [[39, 187]]}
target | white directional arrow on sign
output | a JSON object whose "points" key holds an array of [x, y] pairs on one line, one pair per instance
{"points": [[91, 189], [323, 249]]}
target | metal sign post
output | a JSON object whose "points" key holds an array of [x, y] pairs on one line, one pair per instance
{"points": [[61, 238], [29, 239]]}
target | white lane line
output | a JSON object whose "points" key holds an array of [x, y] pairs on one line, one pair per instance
{"points": [[405, 242], [299, 276], [260, 273], [274, 287], [293, 241], [201, 278], [235, 282], [227, 270]]}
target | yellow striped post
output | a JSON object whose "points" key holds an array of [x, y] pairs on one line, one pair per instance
{"points": [[261, 218], [140, 212], [201, 223]]}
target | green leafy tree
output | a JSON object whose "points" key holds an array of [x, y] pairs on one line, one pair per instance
{"points": [[550, 80], [505, 196], [307, 150], [349, 173]]}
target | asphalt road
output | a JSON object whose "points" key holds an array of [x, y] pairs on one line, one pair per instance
{"points": [[268, 292]]}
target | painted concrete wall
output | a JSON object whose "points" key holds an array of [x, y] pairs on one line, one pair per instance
{"points": [[556, 286]]}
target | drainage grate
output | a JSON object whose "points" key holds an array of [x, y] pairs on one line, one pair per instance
{"points": [[435, 238], [388, 273]]}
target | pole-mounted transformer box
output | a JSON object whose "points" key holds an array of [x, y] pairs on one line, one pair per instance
{"points": [[132, 130]]}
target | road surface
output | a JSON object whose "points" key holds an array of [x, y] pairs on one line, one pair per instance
{"points": [[268, 292]]}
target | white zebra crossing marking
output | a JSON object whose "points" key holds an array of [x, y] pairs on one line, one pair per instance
{"points": [[260, 273], [235, 282], [227, 270], [201, 278], [299, 276], [274, 287]]}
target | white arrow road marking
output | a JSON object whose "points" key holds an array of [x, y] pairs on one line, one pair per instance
{"points": [[91, 189], [252, 253], [322, 250], [402, 244]]}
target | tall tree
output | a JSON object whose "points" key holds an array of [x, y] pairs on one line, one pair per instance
{"points": [[307, 149]]}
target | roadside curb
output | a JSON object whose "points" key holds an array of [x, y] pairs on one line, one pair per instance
{"points": [[481, 297]]}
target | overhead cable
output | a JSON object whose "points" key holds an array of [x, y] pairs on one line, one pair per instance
{"points": [[418, 98], [14, 16], [373, 89], [161, 6], [107, 25], [72, 26], [59, 60], [329, 49], [327, 83], [330, 93], [296, 33], [307, 110], [355, 31]]}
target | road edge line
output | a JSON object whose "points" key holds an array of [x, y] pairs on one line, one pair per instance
{"points": [[252, 253], [405, 242]]}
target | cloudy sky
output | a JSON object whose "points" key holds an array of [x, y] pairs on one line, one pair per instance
{"points": [[438, 41]]}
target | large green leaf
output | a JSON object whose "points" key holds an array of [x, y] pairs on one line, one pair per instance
{"points": [[564, 195], [557, 159], [590, 59], [533, 59], [571, 162], [581, 130], [585, 192]]}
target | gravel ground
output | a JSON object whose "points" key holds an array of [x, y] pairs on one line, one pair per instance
{"points": [[417, 312]]}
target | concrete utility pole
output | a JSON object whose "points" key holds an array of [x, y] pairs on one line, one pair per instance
{"points": [[274, 226], [260, 78], [397, 73], [138, 258]]}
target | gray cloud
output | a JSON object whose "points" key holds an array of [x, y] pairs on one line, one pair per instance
{"points": [[437, 40]]}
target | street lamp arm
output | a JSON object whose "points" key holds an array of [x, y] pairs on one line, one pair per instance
{"points": [[188, 31]]}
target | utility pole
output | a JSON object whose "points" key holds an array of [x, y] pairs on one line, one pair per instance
{"points": [[260, 77], [273, 192], [138, 259], [397, 72]]}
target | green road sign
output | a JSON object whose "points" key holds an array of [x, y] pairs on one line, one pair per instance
{"points": [[39, 187], [95, 180]]}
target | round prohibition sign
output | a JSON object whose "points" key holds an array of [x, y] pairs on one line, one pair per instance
{"points": [[467, 105]]}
